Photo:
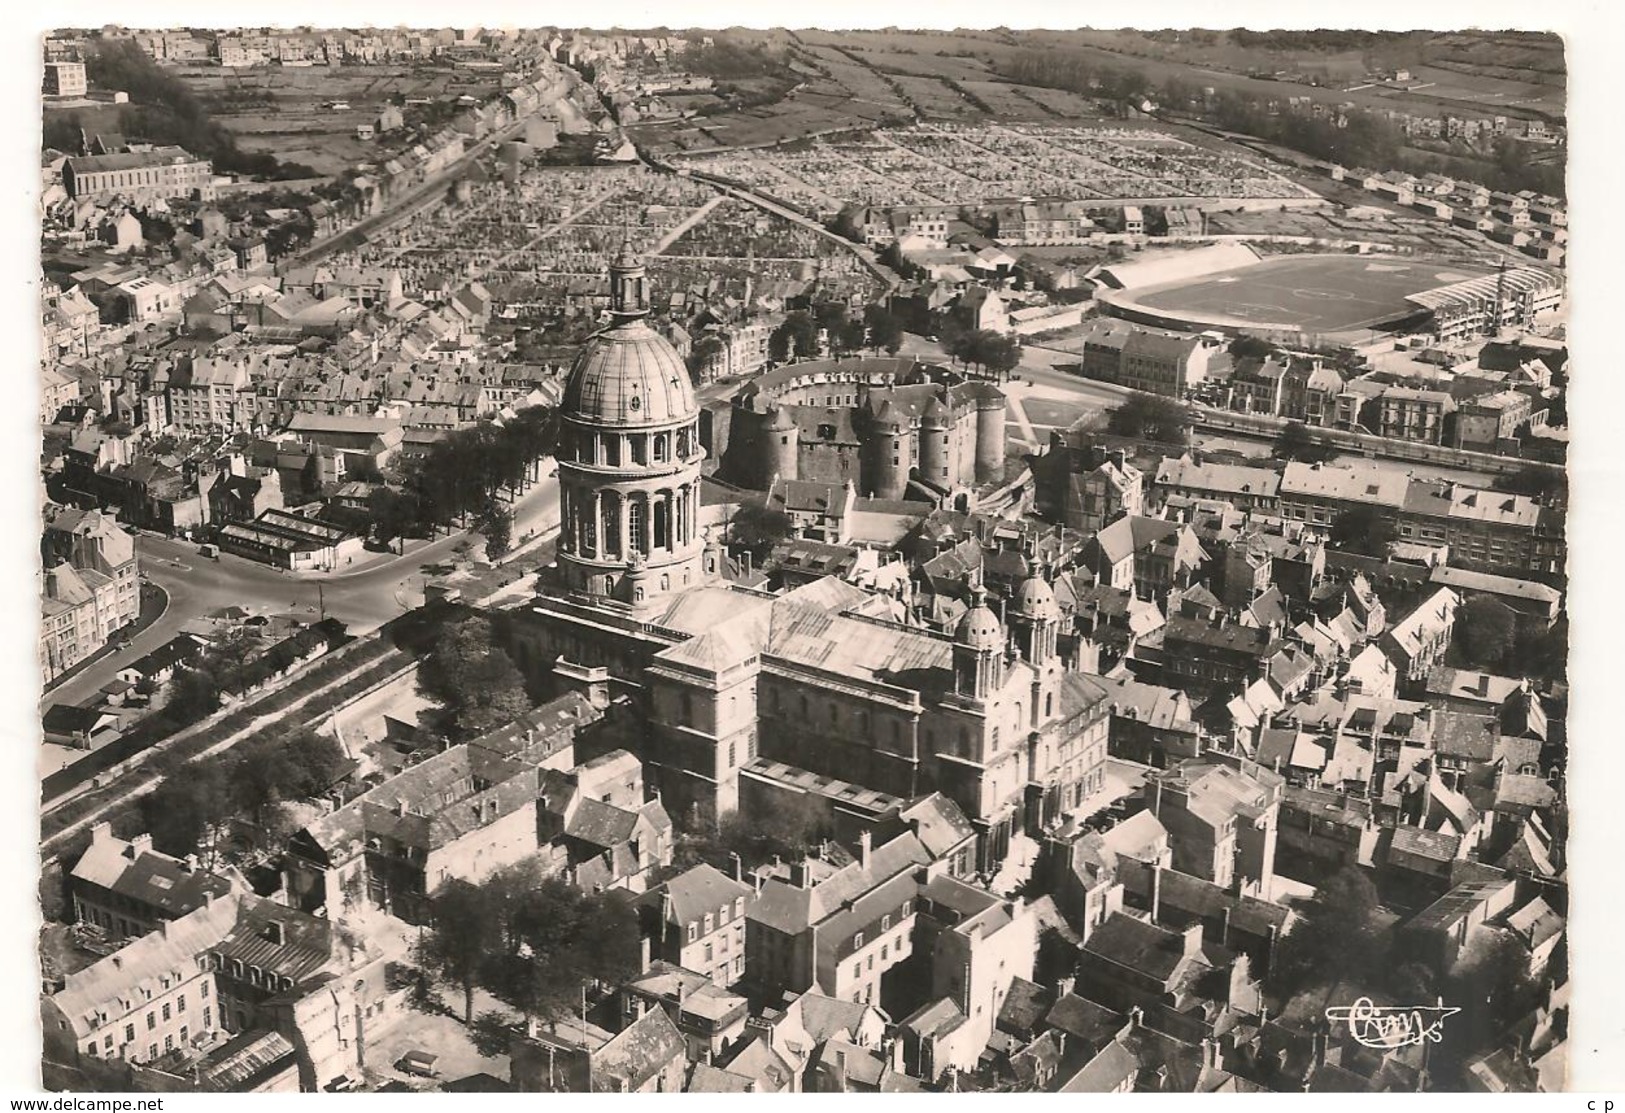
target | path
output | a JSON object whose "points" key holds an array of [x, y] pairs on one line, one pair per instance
{"points": [[688, 222]]}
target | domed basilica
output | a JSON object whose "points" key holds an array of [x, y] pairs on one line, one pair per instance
{"points": [[736, 697]]}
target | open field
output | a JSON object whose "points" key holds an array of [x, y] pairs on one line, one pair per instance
{"points": [[280, 109], [1314, 293]]}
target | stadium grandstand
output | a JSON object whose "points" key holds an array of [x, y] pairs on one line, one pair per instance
{"points": [[1490, 303]]}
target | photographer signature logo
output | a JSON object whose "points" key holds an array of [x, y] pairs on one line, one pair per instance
{"points": [[1392, 1026]]}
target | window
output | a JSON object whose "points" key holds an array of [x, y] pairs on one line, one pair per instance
{"points": [[166, 1010], [180, 1003], [152, 1021], [885, 923], [871, 962], [857, 941], [885, 951], [908, 906], [709, 952], [693, 932], [169, 1042], [732, 760], [739, 907], [995, 739], [634, 525], [710, 922], [204, 991], [152, 1051], [722, 946], [207, 1022]]}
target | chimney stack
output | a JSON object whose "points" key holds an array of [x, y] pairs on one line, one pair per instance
{"points": [[865, 850], [739, 865], [799, 874], [141, 844], [1156, 890], [644, 949]]}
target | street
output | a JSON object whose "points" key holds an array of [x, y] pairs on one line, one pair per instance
{"points": [[363, 600]]}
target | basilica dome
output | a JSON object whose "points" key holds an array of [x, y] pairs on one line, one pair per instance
{"points": [[628, 374]]}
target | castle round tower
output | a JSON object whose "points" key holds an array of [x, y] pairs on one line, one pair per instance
{"points": [[891, 453], [783, 448], [934, 425], [990, 436]]}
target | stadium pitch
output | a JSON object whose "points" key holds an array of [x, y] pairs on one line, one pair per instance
{"points": [[1310, 293]]}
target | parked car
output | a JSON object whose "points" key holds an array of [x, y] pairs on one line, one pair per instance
{"points": [[420, 1063], [343, 1084]]}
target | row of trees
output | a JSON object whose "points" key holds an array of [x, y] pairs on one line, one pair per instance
{"points": [[799, 334], [536, 943], [188, 810], [990, 351], [464, 479]]}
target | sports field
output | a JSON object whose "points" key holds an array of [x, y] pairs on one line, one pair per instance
{"points": [[1312, 293]]}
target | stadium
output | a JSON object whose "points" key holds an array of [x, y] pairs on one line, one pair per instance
{"points": [[1310, 298]]}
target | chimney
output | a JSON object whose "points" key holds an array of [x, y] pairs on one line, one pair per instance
{"points": [[1483, 684], [273, 932], [865, 849], [644, 948], [1065, 986], [141, 844], [799, 874], [1210, 1054], [739, 865], [1224, 928], [190, 863], [1136, 1017], [1156, 890], [100, 832], [1193, 940], [401, 808]]}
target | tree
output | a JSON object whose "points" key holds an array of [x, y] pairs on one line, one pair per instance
{"points": [[1365, 530], [495, 521], [797, 335], [395, 514], [492, 1033], [1295, 442], [473, 680], [463, 932], [758, 528], [1338, 936], [885, 330], [1546, 484], [193, 695], [1487, 632], [1250, 347], [851, 336], [185, 812], [1151, 417], [706, 349], [559, 941]]}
